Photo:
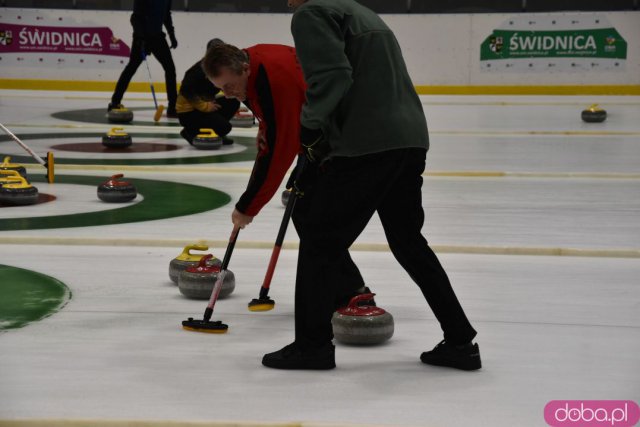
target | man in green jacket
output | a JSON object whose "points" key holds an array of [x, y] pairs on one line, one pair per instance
{"points": [[363, 123]]}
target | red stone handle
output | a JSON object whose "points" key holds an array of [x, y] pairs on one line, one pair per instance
{"points": [[204, 259], [361, 297]]}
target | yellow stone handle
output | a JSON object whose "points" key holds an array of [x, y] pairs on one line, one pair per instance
{"points": [[116, 132], [186, 254], [6, 162], [187, 249], [207, 133], [593, 108], [13, 179], [10, 173]]}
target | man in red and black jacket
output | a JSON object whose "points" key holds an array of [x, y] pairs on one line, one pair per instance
{"points": [[269, 80]]}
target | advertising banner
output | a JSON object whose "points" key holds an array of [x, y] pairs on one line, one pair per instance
{"points": [[548, 43], [52, 40]]}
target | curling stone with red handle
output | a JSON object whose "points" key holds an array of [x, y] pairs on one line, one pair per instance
{"points": [[197, 282], [362, 325]]}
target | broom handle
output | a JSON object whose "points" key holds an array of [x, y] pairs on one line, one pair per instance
{"points": [[291, 203], [29, 150], [153, 91], [223, 272]]}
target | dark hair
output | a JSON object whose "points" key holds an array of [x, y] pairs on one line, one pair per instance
{"points": [[223, 55], [214, 42]]}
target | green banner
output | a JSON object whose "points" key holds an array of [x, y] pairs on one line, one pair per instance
{"points": [[595, 43]]}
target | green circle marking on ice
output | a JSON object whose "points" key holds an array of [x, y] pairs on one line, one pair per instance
{"points": [[162, 199], [27, 296], [98, 115], [249, 154]]}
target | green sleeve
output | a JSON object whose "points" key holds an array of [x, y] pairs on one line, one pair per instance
{"points": [[320, 45]]}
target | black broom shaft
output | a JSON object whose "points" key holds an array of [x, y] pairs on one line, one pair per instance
{"points": [[293, 197], [286, 217], [208, 312], [230, 246]]}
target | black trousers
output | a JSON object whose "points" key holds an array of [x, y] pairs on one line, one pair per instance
{"points": [[195, 120], [345, 274], [160, 49], [348, 192]]}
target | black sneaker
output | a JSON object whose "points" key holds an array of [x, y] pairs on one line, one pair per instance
{"points": [[465, 357], [226, 141], [172, 113], [293, 356]]}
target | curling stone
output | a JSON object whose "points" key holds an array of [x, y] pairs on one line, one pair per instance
{"points": [[116, 138], [362, 325], [187, 259], [285, 196], [114, 191], [120, 115], [207, 140], [594, 114], [16, 190], [243, 118], [197, 282], [6, 165]]}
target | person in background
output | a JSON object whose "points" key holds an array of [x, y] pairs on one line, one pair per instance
{"points": [[147, 20], [202, 105]]}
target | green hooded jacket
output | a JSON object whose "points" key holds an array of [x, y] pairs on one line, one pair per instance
{"points": [[358, 89]]}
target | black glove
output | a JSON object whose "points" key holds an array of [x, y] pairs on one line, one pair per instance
{"points": [[316, 148], [174, 41]]}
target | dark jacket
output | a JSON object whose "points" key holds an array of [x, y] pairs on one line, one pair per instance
{"points": [[359, 90], [149, 16], [196, 91]]}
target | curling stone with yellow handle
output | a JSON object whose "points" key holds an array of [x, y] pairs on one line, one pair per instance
{"points": [[207, 140], [6, 165], [116, 138], [197, 282], [187, 259], [594, 114], [120, 114], [16, 190]]}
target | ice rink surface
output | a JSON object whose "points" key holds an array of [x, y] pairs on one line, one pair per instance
{"points": [[535, 216]]}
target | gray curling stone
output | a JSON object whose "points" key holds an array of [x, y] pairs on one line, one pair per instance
{"points": [[207, 140], [243, 118], [6, 165], [120, 115], [186, 259], [594, 114], [15, 190], [197, 282], [115, 138], [364, 325], [115, 191], [285, 196]]}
